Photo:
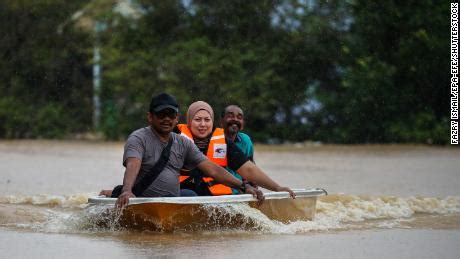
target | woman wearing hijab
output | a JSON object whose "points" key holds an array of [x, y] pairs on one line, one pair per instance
{"points": [[212, 142]]}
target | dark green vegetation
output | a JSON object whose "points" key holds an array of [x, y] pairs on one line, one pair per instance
{"points": [[334, 71]]}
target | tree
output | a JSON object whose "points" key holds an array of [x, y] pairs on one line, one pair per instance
{"points": [[44, 78], [393, 88]]}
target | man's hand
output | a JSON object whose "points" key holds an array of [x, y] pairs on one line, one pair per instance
{"points": [[285, 189], [133, 165], [123, 200], [258, 194]]}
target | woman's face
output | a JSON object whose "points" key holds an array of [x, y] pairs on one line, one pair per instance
{"points": [[201, 125]]}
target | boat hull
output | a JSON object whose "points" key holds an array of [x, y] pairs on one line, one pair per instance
{"points": [[228, 211]]}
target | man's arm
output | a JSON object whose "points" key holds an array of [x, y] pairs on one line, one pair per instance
{"points": [[254, 174], [133, 165], [249, 171], [222, 176]]}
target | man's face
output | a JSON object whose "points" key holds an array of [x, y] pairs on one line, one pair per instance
{"points": [[233, 120], [163, 121]]}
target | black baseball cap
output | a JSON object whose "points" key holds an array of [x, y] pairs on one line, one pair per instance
{"points": [[163, 101]]}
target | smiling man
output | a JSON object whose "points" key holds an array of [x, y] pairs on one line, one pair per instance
{"points": [[232, 121], [154, 155]]}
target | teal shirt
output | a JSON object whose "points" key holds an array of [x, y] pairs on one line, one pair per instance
{"points": [[243, 142]]}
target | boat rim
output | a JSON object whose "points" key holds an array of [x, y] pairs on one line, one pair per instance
{"points": [[300, 193]]}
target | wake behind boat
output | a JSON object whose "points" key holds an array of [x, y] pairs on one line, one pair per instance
{"points": [[169, 213]]}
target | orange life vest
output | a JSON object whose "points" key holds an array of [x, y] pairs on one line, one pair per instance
{"points": [[217, 153]]}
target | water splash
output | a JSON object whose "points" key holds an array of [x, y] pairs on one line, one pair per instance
{"points": [[89, 220], [353, 208], [71, 214], [64, 201]]}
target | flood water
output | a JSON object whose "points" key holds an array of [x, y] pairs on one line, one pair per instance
{"points": [[384, 201]]}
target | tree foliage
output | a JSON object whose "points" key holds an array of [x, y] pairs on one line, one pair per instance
{"points": [[44, 77], [333, 71], [394, 87], [225, 52]]}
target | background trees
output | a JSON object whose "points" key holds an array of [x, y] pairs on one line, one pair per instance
{"points": [[394, 87], [44, 77], [334, 71]]}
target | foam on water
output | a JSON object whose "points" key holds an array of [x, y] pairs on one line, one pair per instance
{"points": [[70, 214], [88, 220], [64, 201], [353, 208]]}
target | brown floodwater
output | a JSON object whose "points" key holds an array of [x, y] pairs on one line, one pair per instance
{"points": [[384, 201]]}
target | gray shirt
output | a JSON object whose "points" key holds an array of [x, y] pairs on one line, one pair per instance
{"points": [[146, 146]]}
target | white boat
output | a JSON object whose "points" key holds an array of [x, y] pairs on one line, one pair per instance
{"points": [[169, 213]]}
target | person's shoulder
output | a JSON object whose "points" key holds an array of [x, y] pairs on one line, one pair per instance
{"points": [[244, 136], [185, 144], [181, 139], [139, 133]]}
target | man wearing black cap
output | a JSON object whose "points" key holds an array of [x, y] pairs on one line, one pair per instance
{"points": [[144, 148]]}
